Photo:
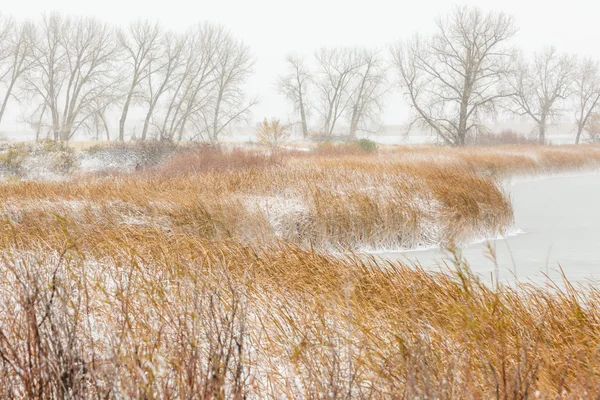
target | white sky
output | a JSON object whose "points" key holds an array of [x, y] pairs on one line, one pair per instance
{"points": [[273, 28]]}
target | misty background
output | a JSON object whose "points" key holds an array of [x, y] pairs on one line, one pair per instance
{"points": [[274, 29]]}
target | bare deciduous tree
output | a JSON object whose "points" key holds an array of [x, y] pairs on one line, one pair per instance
{"points": [[454, 78], [35, 120], [337, 67], [294, 86], [540, 87], [72, 70], [191, 93], [162, 73], [586, 92], [15, 55], [228, 104], [140, 44], [97, 124], [369, 87]]}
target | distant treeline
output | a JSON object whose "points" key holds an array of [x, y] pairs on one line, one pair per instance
{"points": [[66, 74]]}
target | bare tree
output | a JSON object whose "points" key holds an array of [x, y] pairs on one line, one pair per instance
{"points": [[369, 87], [16, 41], [586, 92], [140, 44], [453, 79], [162, 73], [72, 70], [7, 28], [540, 87], [35, 120], [294, 86], [97, 123], [190, 93], [228, 104], [337, 67]]}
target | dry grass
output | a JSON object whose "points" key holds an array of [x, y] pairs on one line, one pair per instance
{"points": [[206, 277], [504, 137], [161, 316], [320, 202], [505, 161]]}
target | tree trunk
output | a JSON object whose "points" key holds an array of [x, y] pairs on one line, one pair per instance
{"points": [[579, 130], [39, 124], [353, 128], [328, 119], [105, 128], [147, 121], [181, 128], [6, 97], [354, 120], [356, 109], [461, 135], [542, 132], [126, 108], [65, 131], [55, 129], [215, 132], [124, 117], [302, 117]]}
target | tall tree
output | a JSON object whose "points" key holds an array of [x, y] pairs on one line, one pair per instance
{"points": [[586, 93], [454, 78], [16, 44], [162, 74], [541, 86], [72, 70], [190, 95], [295, 86], [140, 45], [369, 87], [336, 69], [232, 67]]}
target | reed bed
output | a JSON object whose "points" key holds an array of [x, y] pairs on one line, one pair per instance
{"points": [[404, 198], [152, 315], [505, 161], [350, 202], [212, 276]]}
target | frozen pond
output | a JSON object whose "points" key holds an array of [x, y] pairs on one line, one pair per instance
{"points": [[560, 222]]}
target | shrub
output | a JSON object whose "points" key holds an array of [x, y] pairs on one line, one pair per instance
{"points": [[13, 158], [141, 154], [272, 134], [593, 129], [62, 158], [207, 158], [357, 147], [96, 148], [366, 145], [64, 161]]}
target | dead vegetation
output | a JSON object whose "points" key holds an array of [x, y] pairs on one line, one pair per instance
{"points": [[345, 202], [208, 276], [146, 314]]}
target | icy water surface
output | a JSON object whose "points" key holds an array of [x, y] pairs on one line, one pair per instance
{"points": [[560, 222]]}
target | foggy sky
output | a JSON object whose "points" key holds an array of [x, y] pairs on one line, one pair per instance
{"points": [[274, 28]]}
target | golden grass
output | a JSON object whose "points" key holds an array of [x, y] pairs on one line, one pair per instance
{"points": [[503, 161], [215, 282], [156, 315], [330, 203]]}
